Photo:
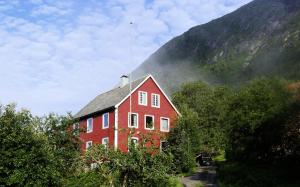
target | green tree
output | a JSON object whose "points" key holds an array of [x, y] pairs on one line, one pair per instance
{"points": [[26, 157], [64, 142], [255, 119], [209, 104]]}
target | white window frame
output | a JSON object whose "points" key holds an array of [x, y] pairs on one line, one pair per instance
{"points": [[132, 138], [152, 100], [87, 125], [146, 115], [129, 120], [103, 141], [162, 130], [87, 143], [146, 99], [103, 127], [160, 145]]}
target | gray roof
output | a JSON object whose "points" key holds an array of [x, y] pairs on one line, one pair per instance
{"points": [[108, 99]]}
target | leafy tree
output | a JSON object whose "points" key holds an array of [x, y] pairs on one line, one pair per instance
{"points": [[26, 157], [181, 148], [65, 144], [210, 106], [255, 119]]}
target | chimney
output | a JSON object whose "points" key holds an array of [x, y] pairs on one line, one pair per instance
{"points": [[124, 80]]}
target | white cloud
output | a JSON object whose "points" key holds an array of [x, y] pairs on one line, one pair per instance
{"points": [[67, 53]]}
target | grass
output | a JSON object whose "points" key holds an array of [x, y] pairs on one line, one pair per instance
{"points": [[219, 158], [174, 182]]}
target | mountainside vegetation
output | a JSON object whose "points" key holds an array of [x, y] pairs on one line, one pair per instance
{"points": [[256, 126], [260, 38]]}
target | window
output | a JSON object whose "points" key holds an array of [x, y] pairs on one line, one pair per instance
{"points": [[105, 141], [149, 122], [133, 119], [133, 141], [164, 124], [88, 144], [155, 100], [105, 121], [89, 125], [163, 145], [142, 98], [75, 128]]}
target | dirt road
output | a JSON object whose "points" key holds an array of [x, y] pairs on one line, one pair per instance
{"points": [[205, 176]]}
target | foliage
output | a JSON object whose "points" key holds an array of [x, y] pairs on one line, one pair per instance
{"points": [[64, 142], [26, 157], [255, 120], [258, 122], [138, 167], [203, 109], [181, 148], [238, 174], [31, 156]]}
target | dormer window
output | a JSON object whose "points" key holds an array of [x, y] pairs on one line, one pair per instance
{"points": [[155, 100], [142, 98]]}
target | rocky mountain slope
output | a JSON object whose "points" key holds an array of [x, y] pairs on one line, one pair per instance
{"points": [[260, 38]]}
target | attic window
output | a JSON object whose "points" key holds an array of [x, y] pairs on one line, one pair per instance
{"points": [[142, 98], [155, 100]]}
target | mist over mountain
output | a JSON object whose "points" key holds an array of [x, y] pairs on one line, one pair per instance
{"points": [[260, 38]]}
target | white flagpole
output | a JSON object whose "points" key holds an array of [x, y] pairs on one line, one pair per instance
{"points": [[130, 86]]}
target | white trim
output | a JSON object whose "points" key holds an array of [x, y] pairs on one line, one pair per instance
{"points": [[116, 129], [161, 125], [165, 95], [132, 138], [146, 99], [87, 130], [105, 138], [117, 105], [149, 76], [146, 115], [103, 120], [158, 100], [137, 120], [87, 143]]}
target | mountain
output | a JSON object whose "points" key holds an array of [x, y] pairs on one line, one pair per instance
{"points": [[260, 38]]}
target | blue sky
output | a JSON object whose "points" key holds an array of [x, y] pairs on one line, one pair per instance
{"points": [[55, 56]]}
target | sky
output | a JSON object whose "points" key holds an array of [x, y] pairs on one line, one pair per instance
{"points": [[57, 55]]}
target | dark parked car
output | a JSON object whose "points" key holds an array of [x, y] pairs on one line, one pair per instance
{"points": [[204, 159]]}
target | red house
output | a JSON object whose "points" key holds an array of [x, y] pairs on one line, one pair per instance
{"points": [[108, 120]]}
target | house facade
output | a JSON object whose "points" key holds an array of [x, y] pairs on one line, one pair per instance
{"points": [[127, 114]]}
